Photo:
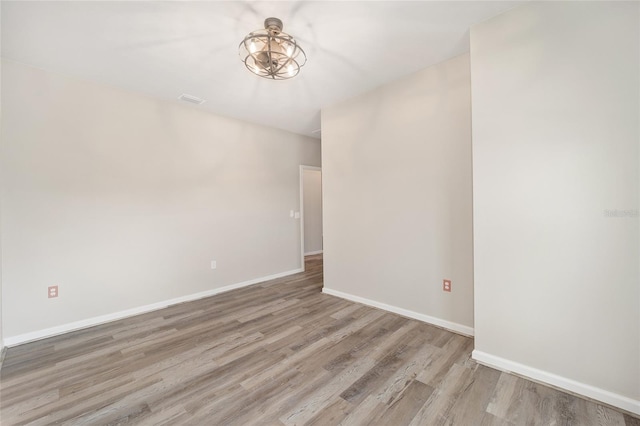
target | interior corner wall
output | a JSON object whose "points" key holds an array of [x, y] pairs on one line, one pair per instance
{"points": [[123, 200], [556, 181], [396, 168], [312, 208]]}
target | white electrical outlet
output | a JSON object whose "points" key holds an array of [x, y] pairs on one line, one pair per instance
{"points": [[52, 291], [214, 265]]}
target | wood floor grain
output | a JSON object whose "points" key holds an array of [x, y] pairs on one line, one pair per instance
{"points": [[276, 353]]}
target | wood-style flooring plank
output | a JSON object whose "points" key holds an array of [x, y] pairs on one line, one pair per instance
{"points": [[275, 353]]}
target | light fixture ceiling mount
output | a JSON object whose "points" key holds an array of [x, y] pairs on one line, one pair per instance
{"points": [[271, 53]]}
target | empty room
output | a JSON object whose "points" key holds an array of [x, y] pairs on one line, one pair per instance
{"points": [[320, 213]]}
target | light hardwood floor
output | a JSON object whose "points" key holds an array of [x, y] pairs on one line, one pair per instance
{"points": [[275, 353]]}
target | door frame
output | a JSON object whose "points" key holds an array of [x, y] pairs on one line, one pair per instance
{"points": [[301, 208]]}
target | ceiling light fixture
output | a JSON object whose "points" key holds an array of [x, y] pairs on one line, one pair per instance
{"points": [[270, 53]]}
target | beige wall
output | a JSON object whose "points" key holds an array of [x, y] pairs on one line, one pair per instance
{"points": [[312, 208], [124, 200], [397, 195], [555, 145]]}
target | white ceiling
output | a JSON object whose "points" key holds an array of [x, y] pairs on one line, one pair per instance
{"points": [[164, 49]]}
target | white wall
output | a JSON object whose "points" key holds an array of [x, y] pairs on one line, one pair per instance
{"points": [[312, 208], [397, 195], [555, 145], [123, 200]]}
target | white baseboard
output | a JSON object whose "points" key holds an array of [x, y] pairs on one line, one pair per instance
{"points": [[614, 399], [311, 253], [90, 322], [452, 326]]}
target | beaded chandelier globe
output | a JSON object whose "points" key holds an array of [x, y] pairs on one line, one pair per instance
{"points": [[272, 54]]}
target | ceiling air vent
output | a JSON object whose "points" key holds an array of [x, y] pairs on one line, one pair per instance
{"points": [[191, 99]]}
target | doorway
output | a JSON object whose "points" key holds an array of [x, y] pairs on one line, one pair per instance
{"points": [[310, 212]]}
